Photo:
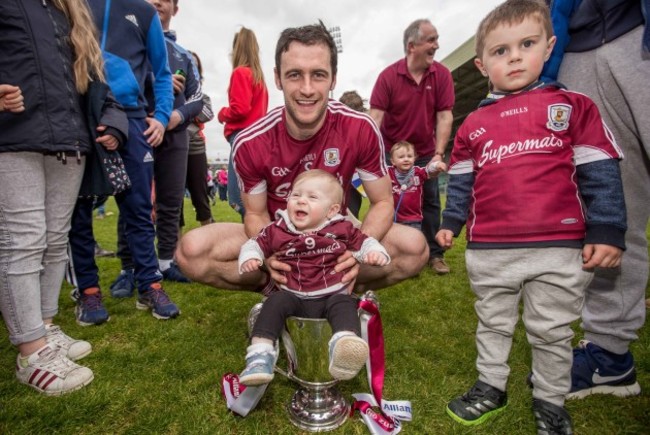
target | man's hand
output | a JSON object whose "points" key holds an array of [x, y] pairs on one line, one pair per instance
{"points": [[108, 141], [250, 265], [445, 239], [348, 264], [155, 132], [595, 255], [375, 258], [276, 269], [178, 83], [11, 99], [174, 120]]}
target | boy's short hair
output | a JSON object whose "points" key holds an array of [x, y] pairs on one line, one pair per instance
{"points": [[512, 12], [333, 186], [402, 144]]}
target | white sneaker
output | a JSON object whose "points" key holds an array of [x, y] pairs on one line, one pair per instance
{"points": [[73, 349], [51, 373], [348, 354]]}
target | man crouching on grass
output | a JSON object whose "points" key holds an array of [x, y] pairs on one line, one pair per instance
{"points": [[309, 132]]}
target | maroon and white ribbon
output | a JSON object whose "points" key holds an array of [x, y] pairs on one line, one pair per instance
{"points": [[381, 416], [240, 399]]}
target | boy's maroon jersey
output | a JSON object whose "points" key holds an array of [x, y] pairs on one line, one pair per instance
{"points": [[523, 151]]}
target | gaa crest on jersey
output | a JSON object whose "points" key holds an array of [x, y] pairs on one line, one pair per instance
{"points": [[332, 157], [558, 117]]}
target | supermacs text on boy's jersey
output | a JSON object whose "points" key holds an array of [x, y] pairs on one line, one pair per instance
{"points": [[267, 159], [523, 151]]}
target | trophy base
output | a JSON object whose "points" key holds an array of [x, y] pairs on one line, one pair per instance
{"points": [[318, 409]]}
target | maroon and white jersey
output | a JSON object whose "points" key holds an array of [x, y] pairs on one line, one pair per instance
{"points": [[267, 159], [312, 256], [407, 198], [523, 151]]}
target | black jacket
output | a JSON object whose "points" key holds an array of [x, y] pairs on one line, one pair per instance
{"points": [[597, 22], [36, 55]]}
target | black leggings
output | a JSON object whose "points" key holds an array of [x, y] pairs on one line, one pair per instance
{"points": [[340, 310]]}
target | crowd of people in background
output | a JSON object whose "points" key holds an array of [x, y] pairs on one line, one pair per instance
{"points": [[152, 112]]}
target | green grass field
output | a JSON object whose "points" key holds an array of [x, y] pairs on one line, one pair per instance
{"points": [[163, 377]]}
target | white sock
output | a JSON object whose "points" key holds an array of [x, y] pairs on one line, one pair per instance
{"points": [[164, 264], [260, 348]]}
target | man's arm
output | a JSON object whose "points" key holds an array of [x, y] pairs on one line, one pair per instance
{"points": [[257, 214], [444, 121], [377, 115], [379, 218]]}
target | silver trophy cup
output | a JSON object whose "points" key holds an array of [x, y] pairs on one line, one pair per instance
{"points": [[317, 405]]}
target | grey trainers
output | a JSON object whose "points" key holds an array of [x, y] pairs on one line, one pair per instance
{"points": [[52, 374], [347, 354], [260, 360], [72, 349], [551, 419]]}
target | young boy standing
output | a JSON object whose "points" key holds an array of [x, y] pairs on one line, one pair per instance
{"points": [[534, 173]]}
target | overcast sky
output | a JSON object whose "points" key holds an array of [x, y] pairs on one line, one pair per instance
{"points": [[371, 37]]}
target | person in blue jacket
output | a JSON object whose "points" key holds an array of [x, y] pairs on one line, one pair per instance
{"points": [[603, 51], [170, 160], [133, 47]]}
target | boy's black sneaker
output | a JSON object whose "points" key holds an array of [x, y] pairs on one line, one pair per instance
{"points": [[551, 419], [478, 404]]}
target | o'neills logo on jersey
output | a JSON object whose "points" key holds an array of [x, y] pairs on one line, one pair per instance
{"points": [[332, 157], [558, 117], [517, 111], [514, 149]]}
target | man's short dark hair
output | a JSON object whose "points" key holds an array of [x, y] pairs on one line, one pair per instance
{"points": [[308, 35]]}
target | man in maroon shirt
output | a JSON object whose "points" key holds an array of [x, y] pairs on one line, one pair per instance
{"points": [[412, 101], [309, 132]]}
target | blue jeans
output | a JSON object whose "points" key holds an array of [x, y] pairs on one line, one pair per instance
{"points": [[135, 205], [234, 195]]}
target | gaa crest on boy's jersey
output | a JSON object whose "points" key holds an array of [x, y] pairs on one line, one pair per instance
{"points": [[332, 157], [558, 117]]}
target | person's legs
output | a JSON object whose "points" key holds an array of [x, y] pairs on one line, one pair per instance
{"points": [[234, 195], [496, 281], [209, 255], [135, 205], [90, 309], [348, 352], [197, 167], [431, 219], [170, 173], [34, 211], [615, 76], [553, 298], [22, 245], [262, 354], [408, 252]]}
